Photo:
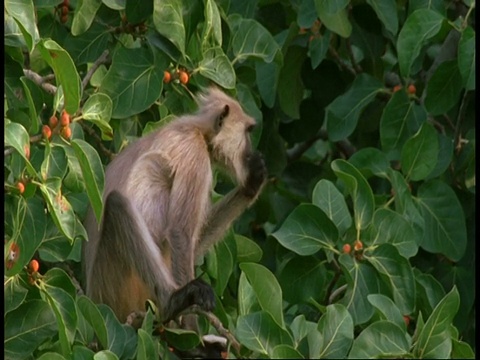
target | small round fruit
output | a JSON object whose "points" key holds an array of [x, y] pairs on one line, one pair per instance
{"points": [[406, 318], [347, 248], [396, 88], [21, 187], [66, 132], [167, 77], [183, 76], [53, 122], [46, 132], [358, 245], [65, 10], [33, 266], [65, 119], [412, 89]]}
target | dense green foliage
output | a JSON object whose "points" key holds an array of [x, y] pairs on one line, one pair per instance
{"points": [[361, 244]]}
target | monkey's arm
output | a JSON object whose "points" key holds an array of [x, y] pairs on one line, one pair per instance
{"points": [[225, 211]]}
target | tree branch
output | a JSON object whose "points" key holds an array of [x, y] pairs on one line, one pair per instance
{"points": [[101, 60], [41, 81]]}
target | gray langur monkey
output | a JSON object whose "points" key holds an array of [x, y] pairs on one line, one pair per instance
{"points": [[158, 216]]}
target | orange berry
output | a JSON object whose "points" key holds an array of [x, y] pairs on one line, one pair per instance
{"points": [[65, 119], [183, 76], [406, 318], [347, 248], [26, 149], [33, 266], [66, 132], [412, 89], [53, 122], [46, 132], [358, 245], [167, 77], [64, 10], [396, 88], [21, 187]]}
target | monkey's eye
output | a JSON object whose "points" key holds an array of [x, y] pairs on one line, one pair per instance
{"points": [[250, 128], [222, 116]]}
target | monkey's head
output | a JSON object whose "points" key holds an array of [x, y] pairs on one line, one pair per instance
{"points": [[229, 132]]}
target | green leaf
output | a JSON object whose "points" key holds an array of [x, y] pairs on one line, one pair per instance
{"points": [[336, 327], [327, 197], [397, 272], [146, 346], [93, 174], [434, 341], [216, 66], [466, 58], [360, 191], [461, 350], [105, 355], [379, 340], [117, 337], [133, 89], [307, 230], [168, 21], [259, 332], [27, 327], [17, 137], [51, 356], [334, 16], [342, 114], [429, 292], [387, 309], [85, 12], [302, 279], [225, 262], [94, 318], [182, 339], [247, 250], [370, 161], [251, 39], [267, 77], [247, 299], [65, 71], [390, 227], [443, 88], [285, 352], [361, 280], [420, 26], [14, 294], [267, 289], [318, 48], [28, 87], [98, 110], [419, 154], [23, 12], [290, 84], [445, 230], [445, 154], [213, 24], [386, 11], [89, 46], [54, 163], [394, 123]]}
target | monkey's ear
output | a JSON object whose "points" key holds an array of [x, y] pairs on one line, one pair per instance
{"points": [[221, 117]]}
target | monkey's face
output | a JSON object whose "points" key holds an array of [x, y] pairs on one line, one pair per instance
{"points": [[231, 144]]}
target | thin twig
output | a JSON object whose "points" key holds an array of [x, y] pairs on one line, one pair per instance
{"points": [[98, 140], [356, 67], [101, 60], [339, 60], [41, 81], [337, 292]]}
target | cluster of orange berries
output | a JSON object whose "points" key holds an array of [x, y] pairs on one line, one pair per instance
{"points": [[64, 130], [357, 246], [63, 11], [411, 88], [179, 74]]}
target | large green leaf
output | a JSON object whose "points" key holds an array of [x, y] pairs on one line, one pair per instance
{"points": [[17, 137], [290, 84], [445, 230], [54, 163], [380, 339], [334, 16], [397, 272], [133, 89], [23, 12], [434, 340], [168, 21], [387, 309], [360, 191], [336, 327], [443, 88], [27, 327], [466, 58], [84, 15], [267, 289], [93, 174], [420, 153], [146, 346], [343, 113], [251, 39], [212, 30], [328, 198], [94, 318], [307, 230], [98, 110], [259, 332], [65, 71], [216, 66], [386, 11], [420, 26]]}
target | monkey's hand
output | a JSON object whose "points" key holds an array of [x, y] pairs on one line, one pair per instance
{"points": [[196, 292], [257, 174]]}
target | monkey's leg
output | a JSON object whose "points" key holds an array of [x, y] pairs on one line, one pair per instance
{"points": [[225, 211], [128, 267]]}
